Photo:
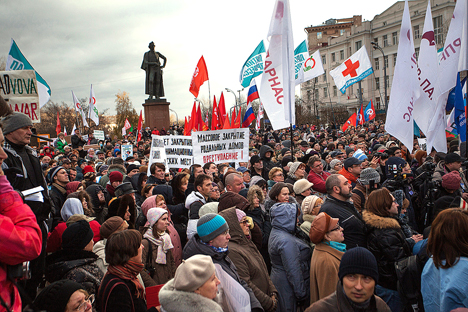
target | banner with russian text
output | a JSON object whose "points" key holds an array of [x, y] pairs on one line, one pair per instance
{"points": [[158, 151], [19, 89], [179, 151], [221, 146]]}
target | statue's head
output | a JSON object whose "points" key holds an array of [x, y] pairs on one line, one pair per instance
{"points": [[151, 45]]}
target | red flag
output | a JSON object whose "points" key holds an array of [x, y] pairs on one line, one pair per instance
{"points": [[199, 77], [57, 129], [140, 125], [226, 124], [199, 123], [351, 121], [193, 118], [127, 124], [186, 126], [237, 122], [214, 116], [233, 118], [221, 111], [360, 117]]}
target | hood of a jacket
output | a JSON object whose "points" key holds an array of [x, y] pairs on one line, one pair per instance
{"points": [[231, 199], [193, 197], [92, 191], [379, 222], [235, 230], [164, 190], [71, 207], [266, 148], [136, 181], [283, 217]]}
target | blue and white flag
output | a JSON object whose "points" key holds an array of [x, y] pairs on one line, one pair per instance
{"points": [[354, 69], [253, 67], [306, 67], [460, 118], [17, 61]]}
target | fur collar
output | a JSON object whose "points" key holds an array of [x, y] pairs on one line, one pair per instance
{"points": [[308, 217], [376, 221]]}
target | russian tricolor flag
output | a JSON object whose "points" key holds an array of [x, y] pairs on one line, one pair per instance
{"points": [[253, 94], [249, 114]]}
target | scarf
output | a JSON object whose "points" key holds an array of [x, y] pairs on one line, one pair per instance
{"points": [[217, 249], [110, 189], [164, 244], [60, 188], [129, 271], [338, 246]]}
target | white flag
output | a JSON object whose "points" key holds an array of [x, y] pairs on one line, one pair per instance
{"points": [[93, 111], [354, 69], [277, 87], [73, 130], [65, 130], [425, 107], [124, 131], [79, 109], [306, 67], [259, 116], [405, 91]]}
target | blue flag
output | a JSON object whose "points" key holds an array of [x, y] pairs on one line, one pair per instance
{"points": [[460, 118], [17, 61], [253, 67]]}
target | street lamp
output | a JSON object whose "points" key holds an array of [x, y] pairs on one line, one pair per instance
{"points": [[235, 97], [375, 45], [177, 116]]}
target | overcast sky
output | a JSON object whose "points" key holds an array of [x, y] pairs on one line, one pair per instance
{"points": [[74, 44]]}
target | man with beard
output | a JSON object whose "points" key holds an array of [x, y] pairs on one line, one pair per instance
{"points": [[338, 205]]}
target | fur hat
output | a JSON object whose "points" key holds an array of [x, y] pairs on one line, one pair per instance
{"points": [[193, 273]]}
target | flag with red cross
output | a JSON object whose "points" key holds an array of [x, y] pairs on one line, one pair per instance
{"points": [[354, 69]]}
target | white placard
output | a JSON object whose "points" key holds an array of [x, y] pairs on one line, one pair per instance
{"points": [[99, 135], [238, 299], [179, 151], [422, 143], [127, 151], [158, 151]]}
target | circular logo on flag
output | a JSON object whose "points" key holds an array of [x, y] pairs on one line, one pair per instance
{"points": [[369, 112], [348, 122], [92, 100], [78, 105], [195, 74], [309, 65]]}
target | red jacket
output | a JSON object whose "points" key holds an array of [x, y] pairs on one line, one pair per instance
{"points": [[318, 180], [20, 239], [54, 241]]}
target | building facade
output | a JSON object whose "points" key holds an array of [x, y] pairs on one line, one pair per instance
{"points": [[338, 39]]}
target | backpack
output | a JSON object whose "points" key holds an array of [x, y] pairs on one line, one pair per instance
{"points": [[408, 271]]}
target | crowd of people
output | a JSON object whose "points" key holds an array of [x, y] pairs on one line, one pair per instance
{"points": [[317, 220]]}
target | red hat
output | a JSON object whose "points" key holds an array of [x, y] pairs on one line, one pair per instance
{"points": [[87, 169], [115, 176], [451, 180], [321, 225]]}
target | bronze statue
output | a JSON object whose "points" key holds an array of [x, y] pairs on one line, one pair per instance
{"points": [[154, 74]]}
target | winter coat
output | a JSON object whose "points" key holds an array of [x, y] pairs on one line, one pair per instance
{"points": [[163, 272], [20, 240], [195, 247], [118, 295], [267, 163], [178, 211], [77, 141], [262, 220], [54, 240], [445, 289], [318, 180], [136, 181], [354, 229], [114, 167], [249, 262], [61, 144], [356, 197], [173, 300], [387, 242], [193, 203], [76, 265], [100, 209], [290, 258], [57, 197], [324, 267], [352, 179], [338, 302]]}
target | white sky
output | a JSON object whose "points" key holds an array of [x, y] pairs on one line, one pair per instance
{"points": [[74, 44]]}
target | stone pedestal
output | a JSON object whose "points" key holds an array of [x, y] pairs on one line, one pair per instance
{"points": [[157, 114]]}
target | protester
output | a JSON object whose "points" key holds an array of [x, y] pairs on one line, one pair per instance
{"points": [[64, 295], [196, 199]]}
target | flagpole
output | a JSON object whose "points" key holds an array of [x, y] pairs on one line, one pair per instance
{"points": [[331, 104], [466, 85]]}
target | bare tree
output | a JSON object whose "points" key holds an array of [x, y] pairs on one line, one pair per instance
{"points": [[125, 110]]}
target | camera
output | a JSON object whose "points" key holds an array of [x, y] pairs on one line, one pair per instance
{"points": [[429, 166], [382, 155], [19, 271]]}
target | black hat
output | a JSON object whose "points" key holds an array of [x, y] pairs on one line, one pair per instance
{"points": [[304, 143], [351, 161], [358, 260], [99, 152], [255, 159], [66, 161], [131, 167], [124, 188], [77, 235], [452, 157], [336, 153], [54, 298]]}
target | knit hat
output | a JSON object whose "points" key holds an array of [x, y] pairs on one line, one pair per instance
{"points": [[369, 174], [115, 176], [286, 143], [308, 204], [284, 150], [334, 162], [302, 185], [285, 161], [294, 166], [110, 226], [77, 235], [53, 172], [358, 260], [54, 298], [254, 159], [211, 226], [72, 186], [211, 207], [153, 215], [87, 169], [348, 150], [103, 168], [15, 121], [359, 154], [321, 225], [304, 143], [240, 214], [389, 143], [193, 273], [132, 167], [452, 157], [451, 180]]}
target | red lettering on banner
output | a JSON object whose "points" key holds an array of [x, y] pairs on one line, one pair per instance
{"points": [[33, 111], [409, 113]]}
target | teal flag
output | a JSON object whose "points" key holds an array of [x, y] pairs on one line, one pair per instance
{"points": [[17, 61], [253, 67]]}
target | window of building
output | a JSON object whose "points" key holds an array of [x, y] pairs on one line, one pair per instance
{"points": [[438, 29], [384, 23], [342, 32], [350, 90], [394, 59], [416, 51], [377, 83], [395, 38], [324, 59], [316, 93], [385, 41], [385, 59], [416, 31], [376, 64], [350, 52], [358, 44], [319, 35], [377, 103], [325, 92], [335, 91], [324, 76], [333, 57], [342, 55]]}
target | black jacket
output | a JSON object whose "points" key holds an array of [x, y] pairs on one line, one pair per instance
{"points": [[57, 198], [354, 228], [388, 244], [76, 141]]}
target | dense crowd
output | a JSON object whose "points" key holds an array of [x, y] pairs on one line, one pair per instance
{"points": [[317, 220]]}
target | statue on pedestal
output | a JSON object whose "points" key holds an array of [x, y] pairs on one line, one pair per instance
{"points": [[154, 74]]}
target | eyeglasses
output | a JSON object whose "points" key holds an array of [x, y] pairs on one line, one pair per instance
{"points": [[338, 227], [82, 306], [278, 175], [245, 222]]}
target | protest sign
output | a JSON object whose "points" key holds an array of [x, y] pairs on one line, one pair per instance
{"points": [[127, 151], [179, 151], [158, 152], [99, 135], [236, 297], [221, 146], [422, 143], [19, 89]]}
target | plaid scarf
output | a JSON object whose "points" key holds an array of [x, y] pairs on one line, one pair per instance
{"points": [[129, 271]]}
